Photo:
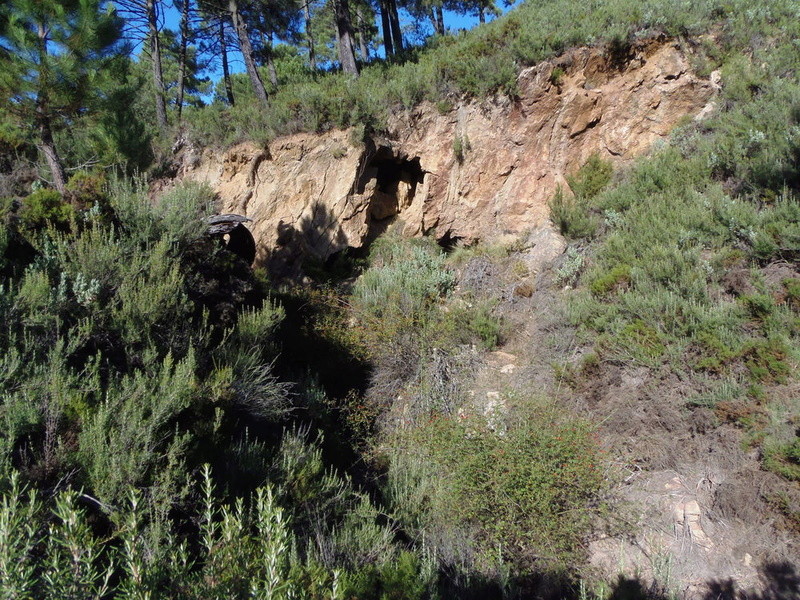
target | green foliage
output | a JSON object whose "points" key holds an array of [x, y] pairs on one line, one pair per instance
{"points": [[636, 342], [45, 207], [139, 414], [556, 76], [605, 283], [107, 329], [87, 190], [572, 215], [246, 548], [461, 146], [570, 268], [591, 178], [414, 330], [792, 287], [784, 459], [767, 360], [56, 59], [403, 287], [519, 487]]}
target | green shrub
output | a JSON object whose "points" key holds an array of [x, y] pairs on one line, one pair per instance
{"points": [[465, 322], [759, 306], [571, 267], [572, 215], [45, 206], [767, 360], [521, 484], [556, 76], [637, 342], [792, 287], [461, 146], [715, 354], [87, 190], [617, 277], [591, 178], [402, 289], [784, 459]]}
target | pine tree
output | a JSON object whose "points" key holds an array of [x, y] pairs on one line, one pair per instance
{"points": [[52, 53], [143, 23], [240, 26], [344, 35], [214, 31]]}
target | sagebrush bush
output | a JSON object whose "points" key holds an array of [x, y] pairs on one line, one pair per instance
{"points": [[416, 333]]}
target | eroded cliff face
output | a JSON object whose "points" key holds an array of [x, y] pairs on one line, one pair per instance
{"points": [[480, 170]]}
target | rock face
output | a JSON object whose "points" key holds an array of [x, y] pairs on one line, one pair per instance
{"points": [[483, 169]]}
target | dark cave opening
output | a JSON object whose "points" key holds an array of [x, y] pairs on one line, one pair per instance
{"points": [[448, 242], [391, 183], [391, 171]]}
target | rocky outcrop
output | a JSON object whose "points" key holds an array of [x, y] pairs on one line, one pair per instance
{"points": [[480, 170]]}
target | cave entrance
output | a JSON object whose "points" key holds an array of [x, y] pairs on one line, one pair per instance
{"points": [[449, 242], [391, 183]]}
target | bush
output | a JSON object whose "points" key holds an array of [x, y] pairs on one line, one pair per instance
{"points": [[572, 215], [461, 146], [591, 178], [617, 277], [45, 207], [87, 190], [784, 459], [521, 485], [402, 289]]}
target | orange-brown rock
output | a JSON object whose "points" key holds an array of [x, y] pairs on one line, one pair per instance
{"points": [[482, 169]]}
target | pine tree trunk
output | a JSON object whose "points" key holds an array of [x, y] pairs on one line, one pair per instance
{"points": [[46, 143], [183, 55], [481, 15], [387, 28], [312, 56], [434, 22], [226, 71], [344, 29], [362, 36], [247, 52], [155, 58], [440, 19], [394, 20], [48, 148]]}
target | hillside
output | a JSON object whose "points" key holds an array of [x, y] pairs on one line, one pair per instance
{"points": [[522, 321]]}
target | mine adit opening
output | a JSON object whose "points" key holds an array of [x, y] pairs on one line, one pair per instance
{"points": [[391, 182]]}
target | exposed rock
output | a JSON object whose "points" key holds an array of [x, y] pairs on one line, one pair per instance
{"points": [[544, 246], [686, 517], [320, 193]]}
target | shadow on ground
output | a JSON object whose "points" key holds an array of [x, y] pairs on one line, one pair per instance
{"points": [[779, 581]]}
